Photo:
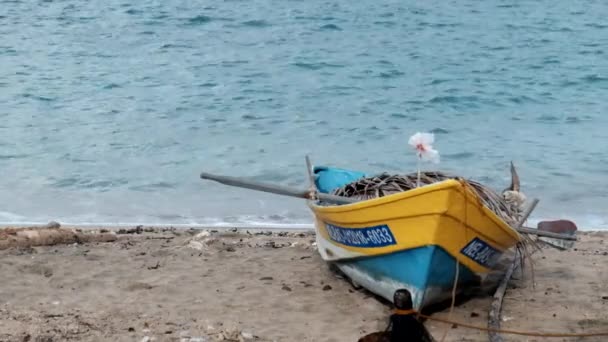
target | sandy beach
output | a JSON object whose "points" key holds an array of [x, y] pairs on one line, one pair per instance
{"points": [[165, 284]]}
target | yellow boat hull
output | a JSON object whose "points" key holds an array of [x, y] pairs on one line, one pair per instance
{"points": [[445, 214]]}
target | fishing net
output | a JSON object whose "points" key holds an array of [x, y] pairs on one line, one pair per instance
{"points": [[386, 184]]}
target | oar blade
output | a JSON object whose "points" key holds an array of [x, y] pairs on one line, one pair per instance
{"points": [[564, 227]]}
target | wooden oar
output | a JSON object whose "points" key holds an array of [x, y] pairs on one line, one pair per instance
{"points": [[519, 226], [534, 231], [562, 227], [275, 189]]}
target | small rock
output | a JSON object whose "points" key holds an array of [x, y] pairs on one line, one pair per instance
{"points": [[326, 288], [131, 329], [53, 225], [44, 338], [230, 249], [474, 314], [231, 333], [25, 250], [605, 297], [286, 288], [155, 267], [196, 245], [247, 335], [202, 234], [145, 339], [266, 278]]}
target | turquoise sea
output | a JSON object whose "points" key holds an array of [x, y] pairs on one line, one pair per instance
{"points": [[110, 110]]}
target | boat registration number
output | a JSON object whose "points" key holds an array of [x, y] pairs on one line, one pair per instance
{"points": [[377, 236], [481, 252]]}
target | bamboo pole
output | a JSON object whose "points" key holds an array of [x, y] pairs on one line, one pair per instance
{"points": [[275, 189], [527, 213], [495, 314], [495, 310]]}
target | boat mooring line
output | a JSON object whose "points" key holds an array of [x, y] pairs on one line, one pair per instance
{"points": [[515, 332]]}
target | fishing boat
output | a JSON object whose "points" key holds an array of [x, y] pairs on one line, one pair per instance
{"points": [[423, 240], [428, 239]]}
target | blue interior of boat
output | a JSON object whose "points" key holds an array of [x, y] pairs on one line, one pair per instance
{"points": [[330, 178]]}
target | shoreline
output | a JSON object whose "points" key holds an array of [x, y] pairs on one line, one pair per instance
{"points": [[227, 226]]}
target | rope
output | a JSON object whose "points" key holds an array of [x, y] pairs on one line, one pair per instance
{"points": [[404, 312], [445, 332], [515, 332], [463, 224]]}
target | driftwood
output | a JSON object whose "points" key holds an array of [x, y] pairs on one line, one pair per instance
{"points": [[30, 237], [496, 308]]}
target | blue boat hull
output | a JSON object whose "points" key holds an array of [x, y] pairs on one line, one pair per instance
{"points": [[427, 272]]}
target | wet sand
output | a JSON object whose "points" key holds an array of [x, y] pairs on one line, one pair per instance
{"points": [[167, 284]]}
